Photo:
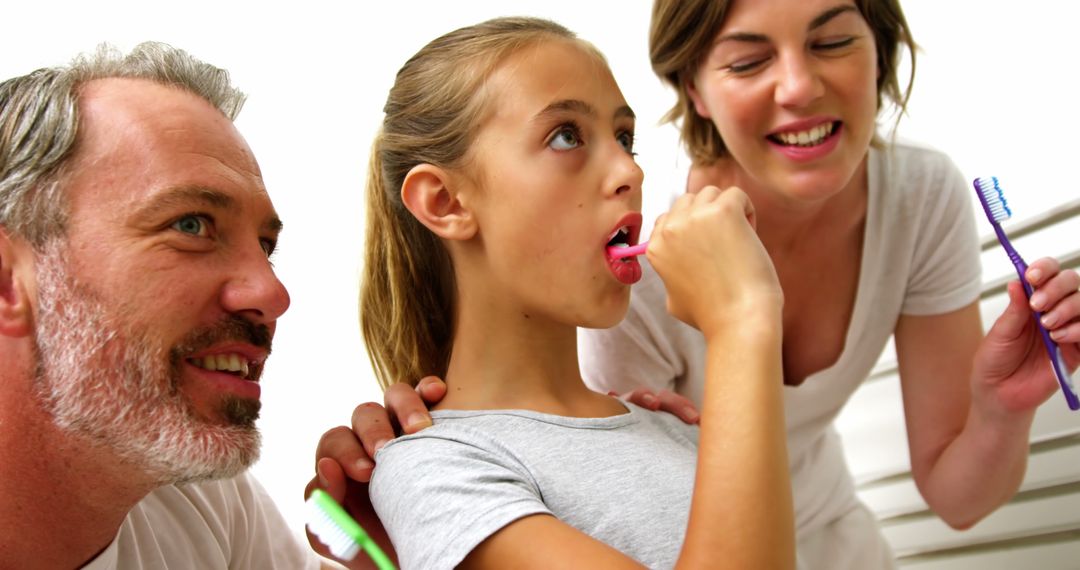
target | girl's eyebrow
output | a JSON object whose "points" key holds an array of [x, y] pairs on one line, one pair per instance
{"points": [[817, 22], [580, 107]]}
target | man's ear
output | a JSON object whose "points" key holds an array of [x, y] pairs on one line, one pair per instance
{"points": [[16, 265], [696, 99], [427, 193]]}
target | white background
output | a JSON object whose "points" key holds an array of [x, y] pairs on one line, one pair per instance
{"points": [[994, 89]]}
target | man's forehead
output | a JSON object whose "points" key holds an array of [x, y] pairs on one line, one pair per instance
{"points": [[148, 144], [118, 108]]}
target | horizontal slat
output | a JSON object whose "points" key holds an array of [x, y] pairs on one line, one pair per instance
{"points": [[875, 437], [997, 286], [991, 303], [1058, 551], [1034, 513], [1050, 463], [1031, 225], [873, 432]]}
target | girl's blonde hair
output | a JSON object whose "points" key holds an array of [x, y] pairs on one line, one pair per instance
{"points": [[408, 290], [681, 34]]}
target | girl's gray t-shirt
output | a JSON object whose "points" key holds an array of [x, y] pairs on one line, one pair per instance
{"points": [[626, 480]]}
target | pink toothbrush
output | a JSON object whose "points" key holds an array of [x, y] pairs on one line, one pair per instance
{"points": [[619, 252]]}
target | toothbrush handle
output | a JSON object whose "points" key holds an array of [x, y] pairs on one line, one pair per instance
{"points": [[1052, 349]]}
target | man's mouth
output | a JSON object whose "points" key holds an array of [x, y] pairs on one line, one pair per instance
{"points": [[229, 363], [807, 138]]}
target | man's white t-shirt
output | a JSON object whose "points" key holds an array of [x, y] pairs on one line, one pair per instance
{"points": [[227, 523]]}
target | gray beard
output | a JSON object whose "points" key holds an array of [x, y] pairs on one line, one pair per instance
{"points": [[105, 380]]}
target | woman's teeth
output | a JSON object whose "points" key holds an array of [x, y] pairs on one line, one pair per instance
{"points": [[223, 362], [806, 138]]}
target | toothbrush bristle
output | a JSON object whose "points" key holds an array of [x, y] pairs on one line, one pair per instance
{"points": [[336, 539], [994, 198]]}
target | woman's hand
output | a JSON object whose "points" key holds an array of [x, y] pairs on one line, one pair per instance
{"points": [[1011, 371], [717, 273]]}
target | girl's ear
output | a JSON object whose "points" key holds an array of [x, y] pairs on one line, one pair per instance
{"points": [[427, 193], [16, 314]]}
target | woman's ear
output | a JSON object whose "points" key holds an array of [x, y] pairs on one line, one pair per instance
{"points": [[695, 98], [16, 314], [427, 192]]}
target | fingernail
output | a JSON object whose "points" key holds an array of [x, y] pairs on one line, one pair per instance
{"points": [[1049, 320], [379, 444], [1057, 335], [322, 480], [648, 399], [364, 463], [417, 421], [1037, 301], [691, 415], [1034, 276]]}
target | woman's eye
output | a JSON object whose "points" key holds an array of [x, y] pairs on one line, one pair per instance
{"points": [[566, 138], [193, 225], [834, 43], [626, 140], [746, 65]]}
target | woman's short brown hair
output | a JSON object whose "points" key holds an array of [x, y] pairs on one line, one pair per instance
{"points": [[682, 32]]}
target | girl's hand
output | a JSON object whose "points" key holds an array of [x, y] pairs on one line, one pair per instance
{"points": [[717, 273], [1012, 371]]}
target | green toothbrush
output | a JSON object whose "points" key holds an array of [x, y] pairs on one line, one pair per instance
{"points": [[339, 532]]}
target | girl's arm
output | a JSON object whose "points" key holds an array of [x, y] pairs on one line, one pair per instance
{"points": [[741, 512]]}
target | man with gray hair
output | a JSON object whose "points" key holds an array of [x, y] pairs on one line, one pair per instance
{"points": [[137, 306]]}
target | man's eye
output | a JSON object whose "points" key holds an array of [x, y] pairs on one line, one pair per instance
{"points": [[192, 224]]}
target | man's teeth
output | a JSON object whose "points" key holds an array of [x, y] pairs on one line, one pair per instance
{"points": [[806, 138], [224, 362]]}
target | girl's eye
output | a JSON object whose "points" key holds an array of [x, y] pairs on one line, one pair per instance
{"points": [[193, 224], [626, 140], [268, 245], [566, 138]]}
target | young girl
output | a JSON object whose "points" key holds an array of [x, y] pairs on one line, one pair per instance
{"points": [[503, 173]]}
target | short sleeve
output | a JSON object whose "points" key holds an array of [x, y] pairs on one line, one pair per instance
{"points": [[261, 538], [639, 352], [439, 498], [946, 270]]}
